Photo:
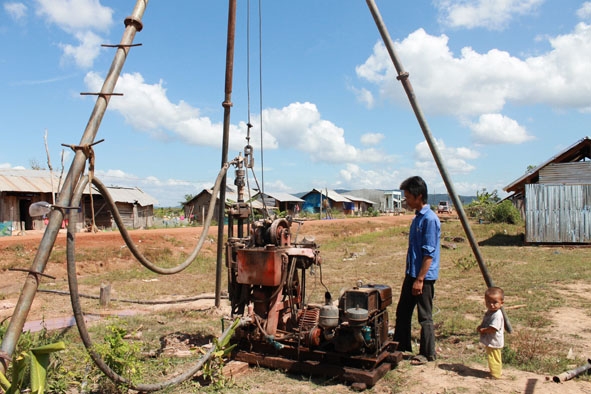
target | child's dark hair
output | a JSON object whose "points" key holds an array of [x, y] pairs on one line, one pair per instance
{"points": [[493, 291]]}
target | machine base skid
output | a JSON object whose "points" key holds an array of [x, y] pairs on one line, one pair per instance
{"points": [[314, 363]]}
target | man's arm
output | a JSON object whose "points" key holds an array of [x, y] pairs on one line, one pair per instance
{"points": [[417, 286]]}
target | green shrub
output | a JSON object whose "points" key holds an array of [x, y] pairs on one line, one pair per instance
{"points": [[506, 212], [121, 355]]}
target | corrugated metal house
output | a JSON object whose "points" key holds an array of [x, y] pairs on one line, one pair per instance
{"points": [[21, 188], [360, 204], [18, 190], [555, 197], [282, 202], [196, 208], [135, 207], [316, 201]]}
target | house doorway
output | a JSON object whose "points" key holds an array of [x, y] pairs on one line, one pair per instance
{"points": [[24, 217]]}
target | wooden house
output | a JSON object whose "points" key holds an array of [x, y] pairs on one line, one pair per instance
{"points": [[360, 204], [21, 188], [135, 207], [196, 209], [18, 190], [325, 202], [280, 202], [555, 197]]}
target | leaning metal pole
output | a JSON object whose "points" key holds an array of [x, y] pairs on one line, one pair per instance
{"points": [[133, 24], [403, 78], [227, 104]]}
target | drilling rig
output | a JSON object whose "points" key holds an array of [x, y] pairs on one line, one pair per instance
{"points": [[346, 338]]}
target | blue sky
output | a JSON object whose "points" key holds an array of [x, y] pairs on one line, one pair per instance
{"points": [[503, 84]]}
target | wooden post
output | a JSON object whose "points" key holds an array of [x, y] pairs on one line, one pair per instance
{"points": [[105, 297]]}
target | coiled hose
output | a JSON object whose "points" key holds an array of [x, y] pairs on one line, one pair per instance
{"points": [[75, 296]]}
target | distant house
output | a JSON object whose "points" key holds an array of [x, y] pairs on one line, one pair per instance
{"points": [[360, 205], [21, 188], [555, 197], [135, 207], [196, 209], [282, 202], [18, 190], [326, 201], [393, 202]]}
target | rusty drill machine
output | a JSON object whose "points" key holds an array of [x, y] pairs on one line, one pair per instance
{"points": [[267, 273]]}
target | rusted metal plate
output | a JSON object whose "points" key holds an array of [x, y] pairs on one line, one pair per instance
{"points": [[259, 266]]}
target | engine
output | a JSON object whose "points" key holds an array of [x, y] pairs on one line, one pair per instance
{"points": [[267, 274]]}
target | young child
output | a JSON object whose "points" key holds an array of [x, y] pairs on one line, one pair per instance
{"points": [[492, 330]]}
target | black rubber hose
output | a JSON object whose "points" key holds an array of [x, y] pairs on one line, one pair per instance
{"points": [[102, 189], [83, 331]]}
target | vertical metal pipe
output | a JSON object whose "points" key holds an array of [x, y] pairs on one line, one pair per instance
{"points": [[227, 104], [23, 306], [403, 78]]}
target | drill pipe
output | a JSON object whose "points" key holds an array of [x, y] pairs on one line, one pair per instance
{"points": [[403, 78], [563, 377], [132, 25]]}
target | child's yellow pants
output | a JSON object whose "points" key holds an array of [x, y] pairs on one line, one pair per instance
{"points": [[495, 361]]}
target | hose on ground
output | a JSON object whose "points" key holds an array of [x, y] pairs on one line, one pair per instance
{"points": [[141, 302], [79, 316]]}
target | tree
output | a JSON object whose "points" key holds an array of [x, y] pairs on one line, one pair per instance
{"points": [[485, 197], [34, 164], [486, 207], [188, 197]]}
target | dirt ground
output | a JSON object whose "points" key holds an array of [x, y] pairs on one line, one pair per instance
{"points": [[436, 377]]}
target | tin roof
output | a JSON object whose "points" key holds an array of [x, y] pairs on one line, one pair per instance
{"points": [[40, 181], [330, 194], [358, 199], [578, 151], [130, 195], [283, 197], [28, 181]]}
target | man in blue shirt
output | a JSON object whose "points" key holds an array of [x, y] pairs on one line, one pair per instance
{"points": [[422, 270]]}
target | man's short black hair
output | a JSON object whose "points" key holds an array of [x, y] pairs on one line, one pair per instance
{"points": [[416, 186]]}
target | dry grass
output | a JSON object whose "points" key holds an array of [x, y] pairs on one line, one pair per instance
{"points": [[367, 251]]}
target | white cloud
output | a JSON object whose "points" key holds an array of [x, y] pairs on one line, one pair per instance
{"points": [[8, 166], [17, 11], [299, 126], [85, 53], [372, 138], [365, 97], [353, 176], [489, 14], [584, 12], [147, 108], [278, 186], [498, 129], [168, 192], [81, 19], [477, 83], [455, 159], [76, 15]]}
